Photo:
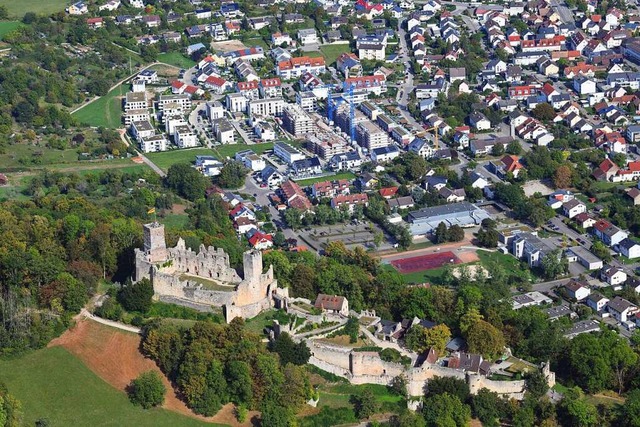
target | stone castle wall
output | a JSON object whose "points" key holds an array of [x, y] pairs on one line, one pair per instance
{"points": [[169, 268], [369, 368]]}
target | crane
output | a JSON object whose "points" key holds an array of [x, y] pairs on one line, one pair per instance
{"points": [[332, 106]]}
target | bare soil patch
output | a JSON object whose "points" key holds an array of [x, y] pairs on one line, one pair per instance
{"points": [[228, 46], [113, 355], [468, 256], [178, 209]]}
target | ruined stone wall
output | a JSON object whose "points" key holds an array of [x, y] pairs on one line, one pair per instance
{"points": [[247, 311], [210, 263], [370, 363], [337, 356], [509, 389]]}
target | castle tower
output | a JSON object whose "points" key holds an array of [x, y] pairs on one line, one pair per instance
{"points": [[154, 244], [252, 265]]}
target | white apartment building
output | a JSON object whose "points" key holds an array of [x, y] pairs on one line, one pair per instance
{"points": [[184, 137], [266, 107]]}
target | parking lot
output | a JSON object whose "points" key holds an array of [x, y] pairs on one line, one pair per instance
{"points": [[351, 235]]}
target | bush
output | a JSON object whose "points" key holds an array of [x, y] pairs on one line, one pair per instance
{"points": [[110, 309], [147, 390], [136, 296]]}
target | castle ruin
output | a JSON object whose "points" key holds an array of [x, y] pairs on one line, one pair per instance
{"points": [[205, 278]]}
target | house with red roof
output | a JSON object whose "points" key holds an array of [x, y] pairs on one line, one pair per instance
{"points": [[95, 22], [178, 87], [217, 85], [332, 304], [270, 88], [294, 196], [350, 201], [605, 171], [250, 90], [260, 240], [388, 192], [507, 164]]}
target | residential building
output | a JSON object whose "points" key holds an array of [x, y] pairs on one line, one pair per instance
{"points": [[287, 153], [250, 160], [385, 154], [371, 136], [135, 101], [209, 166], [629, 248], [142, 129], [296, 121], [330, 188], [307, 36], [306, 167], [577, 290], [573, 208], [530, 247], [609, 233], [621, 309], [350, 201], [236, 102], [185, 137], [597, 302], [267, 107], [614, 276], [346, 161], [153, 143], [295, 67], [224, 131], [271, 177], [332, 304]]}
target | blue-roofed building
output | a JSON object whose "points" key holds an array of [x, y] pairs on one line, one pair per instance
{"points": [[231, 10], [191, 49], [346, 161], [306, 167]]}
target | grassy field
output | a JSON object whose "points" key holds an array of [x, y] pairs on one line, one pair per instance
{"points": [[311, 181], [106, 111], [19, 8], [331, 52], [175, 221], [53, 384], [166, 159], [510, 264], [8, 26], [177, 59]]}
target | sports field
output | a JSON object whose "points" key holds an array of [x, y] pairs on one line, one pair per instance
{"points": [[425, 262]]}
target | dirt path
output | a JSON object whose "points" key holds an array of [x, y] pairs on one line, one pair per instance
{"points": [[114, 356]]}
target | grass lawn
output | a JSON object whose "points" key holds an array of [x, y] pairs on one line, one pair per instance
{"points": [[311, 181], [177, 59], [257, 41], [602, 186], [229, 150], [19, 8], [105, 111], [509, 262], [176, 221], [8, 26], [11, 158], [331, 52], [433, 276], [264, 319], [53, 384], [165, 159]]}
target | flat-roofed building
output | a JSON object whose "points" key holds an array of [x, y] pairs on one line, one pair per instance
{"points": [[136, 116], [183, 100], [266, 107], [136, 101], [287, 153], [371, 136], [296, 121], [225, 133], [153, 143], [184, 137], [142, 129], [326, 148]]}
